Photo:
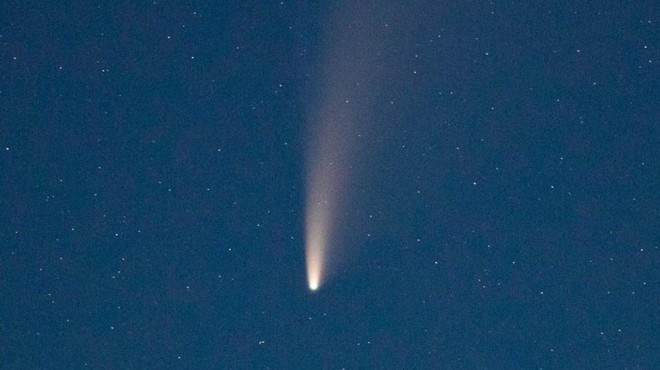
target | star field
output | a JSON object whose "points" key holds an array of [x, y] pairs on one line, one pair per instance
{"points": [[500, 209]]}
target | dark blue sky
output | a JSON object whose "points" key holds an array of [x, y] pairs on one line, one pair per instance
{"points": [[504, 211]]}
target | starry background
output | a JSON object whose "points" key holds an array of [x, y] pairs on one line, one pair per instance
{"points": [[152, 188]]}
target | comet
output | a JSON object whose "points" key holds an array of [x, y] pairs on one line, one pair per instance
{"points": [[340, 117]]}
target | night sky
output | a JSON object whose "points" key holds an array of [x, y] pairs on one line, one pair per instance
{"points": [[494, 195]]}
